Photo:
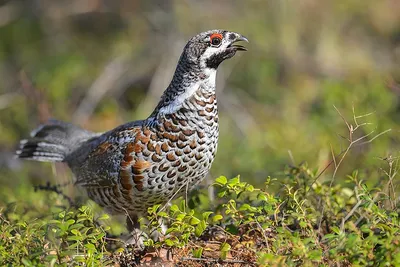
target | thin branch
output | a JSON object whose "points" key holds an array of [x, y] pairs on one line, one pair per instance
{"points": [[217, 260], [333, 156], [373, 138], [351, 212], [291, 157], [340, 114], [55, 189]]}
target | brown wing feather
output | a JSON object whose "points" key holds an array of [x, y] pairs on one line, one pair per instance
{"points": [[132, 168]]}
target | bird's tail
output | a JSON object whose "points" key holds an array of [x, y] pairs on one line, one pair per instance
{"points": [[53, 141]]}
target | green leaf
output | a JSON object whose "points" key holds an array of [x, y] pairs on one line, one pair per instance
{"points": [[315, 255], [250, 188], [61, 214], [262, 197], [330, 236], [234, 181], [244, 207], [206, 215], [194, 221], [76, 226], [119, 250], [79, 258], [217, 218], [90, 246], [74, 238], [104, 216], [170, 230], [197, 252], [182, 205], [200, 228], [73, 246], [174, 208], [224, 249], [221, 180], [232, 229], [180, 217], [169, 242], [221, 194], [75, 232], [303, 224], [26, 262]]}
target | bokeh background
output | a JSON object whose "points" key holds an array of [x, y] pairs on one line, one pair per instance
{"points": [[100, 63]]}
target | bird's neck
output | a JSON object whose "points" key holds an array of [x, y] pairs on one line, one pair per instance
{"points": [[188, 80]]}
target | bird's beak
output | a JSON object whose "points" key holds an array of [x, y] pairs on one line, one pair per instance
{"points": [[239, 47], [242, 38]]}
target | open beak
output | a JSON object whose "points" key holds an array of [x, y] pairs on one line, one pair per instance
{"points": [[237, 46]]}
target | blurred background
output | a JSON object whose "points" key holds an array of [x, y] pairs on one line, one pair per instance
{"points": [[100, 63]]}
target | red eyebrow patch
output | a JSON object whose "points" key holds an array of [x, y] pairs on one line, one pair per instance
{"points": [[216, 35]]}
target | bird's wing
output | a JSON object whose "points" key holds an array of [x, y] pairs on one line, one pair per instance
{"points": [[115, 161]]}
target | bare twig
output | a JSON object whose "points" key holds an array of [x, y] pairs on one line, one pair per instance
{"points": [[342, 155], [351, 212], [353, 144], [217, 260], [55, 188], [291, 157]]}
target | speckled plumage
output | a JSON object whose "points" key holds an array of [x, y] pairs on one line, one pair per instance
{"points": [[142, 163]]}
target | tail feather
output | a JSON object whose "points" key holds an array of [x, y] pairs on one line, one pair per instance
{"points": [[53, 141], [37, 149]]}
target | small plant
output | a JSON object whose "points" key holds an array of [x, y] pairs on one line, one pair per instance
{"points": [[71, 236], [182, 225], [357, 225]]}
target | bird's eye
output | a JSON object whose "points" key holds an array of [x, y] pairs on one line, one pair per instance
{"points": [[216, 39]]}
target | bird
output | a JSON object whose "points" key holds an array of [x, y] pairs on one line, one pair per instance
{"points": [[143, 163]]}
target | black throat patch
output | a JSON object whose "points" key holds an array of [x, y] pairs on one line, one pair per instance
{"points": [[216, 59]]}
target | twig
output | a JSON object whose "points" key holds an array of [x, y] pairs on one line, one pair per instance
{"points": [[351, 212], [352, 143], [341, 153], [264, 235], [291, 157], [217, 260], [55, 189], [373, 138]]}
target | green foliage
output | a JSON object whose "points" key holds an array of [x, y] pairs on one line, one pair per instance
{"points": [[70, 237], [308, 222], [307, 225], [182, 224]]}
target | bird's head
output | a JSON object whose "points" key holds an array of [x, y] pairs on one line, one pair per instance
{"points": [[209, 49], [197, 67]]}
